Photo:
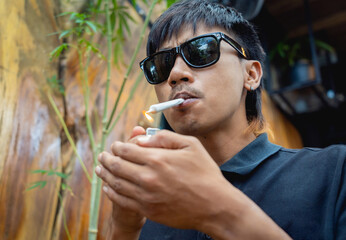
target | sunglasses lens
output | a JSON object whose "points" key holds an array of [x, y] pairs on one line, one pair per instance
{"points": [[201, 52], [158, 67]]}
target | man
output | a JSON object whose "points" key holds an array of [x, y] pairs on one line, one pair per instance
{"points": [[217, 176]]}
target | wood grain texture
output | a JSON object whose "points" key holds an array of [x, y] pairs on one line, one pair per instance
{"points": [[28, 133]]}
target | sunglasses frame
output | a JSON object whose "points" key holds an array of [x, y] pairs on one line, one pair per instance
{"points": [[178, 50]]}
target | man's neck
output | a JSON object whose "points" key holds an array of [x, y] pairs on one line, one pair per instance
{"points": [[223, 145]]}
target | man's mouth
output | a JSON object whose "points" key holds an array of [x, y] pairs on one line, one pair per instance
{"points": [[184, 95], [187, 96]]}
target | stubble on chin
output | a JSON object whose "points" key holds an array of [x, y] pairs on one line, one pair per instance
{"points": [[191, 128]]}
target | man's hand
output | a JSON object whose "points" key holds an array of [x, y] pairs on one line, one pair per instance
{"points": [[125, 223], [169, 178]]}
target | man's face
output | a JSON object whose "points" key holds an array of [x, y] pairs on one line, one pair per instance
{"points": [[215, 96]]}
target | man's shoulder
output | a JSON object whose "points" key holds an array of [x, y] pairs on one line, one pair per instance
{"points": [[330, 153]]}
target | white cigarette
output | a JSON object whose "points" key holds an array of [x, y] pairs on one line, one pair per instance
{"points": [[163, 106]]}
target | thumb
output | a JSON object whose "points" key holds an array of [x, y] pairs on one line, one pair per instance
{"points": [[137, 131], [165, 139]]}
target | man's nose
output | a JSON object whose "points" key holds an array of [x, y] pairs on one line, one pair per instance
{"points": [[180, 72]]}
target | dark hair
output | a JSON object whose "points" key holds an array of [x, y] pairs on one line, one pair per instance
{"points": [[191, 13]]}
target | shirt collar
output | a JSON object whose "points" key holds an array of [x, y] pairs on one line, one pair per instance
{"points": [[251, 156]]}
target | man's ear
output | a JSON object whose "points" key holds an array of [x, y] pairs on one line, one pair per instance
{"points": [[253, 74]]}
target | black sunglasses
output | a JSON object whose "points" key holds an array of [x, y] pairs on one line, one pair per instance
{"points": [[198, 52]]}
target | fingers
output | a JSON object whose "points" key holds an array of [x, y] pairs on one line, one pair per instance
{"points": [[166, 139], [122, 201], [136, 131], [120, 185], [119, 168], [132, 152]]}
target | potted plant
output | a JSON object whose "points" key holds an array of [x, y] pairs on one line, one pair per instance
{"points": [[292, 58]]}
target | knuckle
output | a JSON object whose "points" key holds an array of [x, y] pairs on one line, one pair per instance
{"points": [[148, 181], [149, 201], [123, 150], [155, 159], [116, 184], [160, 136], [115, 166], [192, 139]]}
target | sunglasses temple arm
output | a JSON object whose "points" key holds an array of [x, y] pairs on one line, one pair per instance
{"points": [[238, 48]]}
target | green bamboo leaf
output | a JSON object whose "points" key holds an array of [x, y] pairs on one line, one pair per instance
{"points": [[124, 18], [64, 33], [98, 4], [39, 184], [53, 33], [62, 175], [170, 2], [82, 41], [324, 45], [39, 171], [73, 15], [128, 16], [122, 24], [80, 21], [115, 5], [57, 51], [113, 21], [91, 25], [43, 183], [64, 14], [145, 2]]}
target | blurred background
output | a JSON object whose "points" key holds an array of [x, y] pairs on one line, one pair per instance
{"points": [[305, 43], [63, 69]]}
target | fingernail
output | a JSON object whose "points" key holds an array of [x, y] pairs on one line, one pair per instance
{"points": [[100, 157], [143, 139], [98, 169], [105, 189]]}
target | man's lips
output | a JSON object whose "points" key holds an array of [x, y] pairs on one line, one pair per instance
{"points": [[188, 97], [184, 95]]}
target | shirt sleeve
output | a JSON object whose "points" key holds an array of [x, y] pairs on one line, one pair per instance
{"points": [[340, 208]]}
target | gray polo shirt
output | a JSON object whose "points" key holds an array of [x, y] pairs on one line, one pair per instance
{"points": [[303, 190]]}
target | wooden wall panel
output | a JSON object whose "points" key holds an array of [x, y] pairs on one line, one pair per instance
{"points": [[28, 133], [282, 131]]}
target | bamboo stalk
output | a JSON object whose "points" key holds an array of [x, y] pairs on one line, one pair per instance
{"points": [[68, 135], [96, 182], [145, 25], [86, 95]]}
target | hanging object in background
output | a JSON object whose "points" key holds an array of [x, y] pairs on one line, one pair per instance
{"points": [[249, 8]]}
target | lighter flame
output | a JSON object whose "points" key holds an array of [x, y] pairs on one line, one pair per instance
{"points": [[150, 118]]}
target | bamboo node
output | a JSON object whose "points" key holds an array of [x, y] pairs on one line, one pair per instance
{"points": [[93, 230]]}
